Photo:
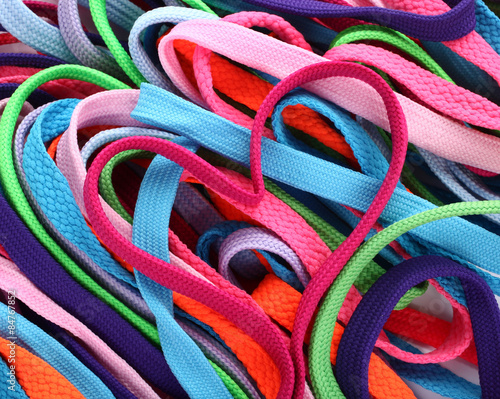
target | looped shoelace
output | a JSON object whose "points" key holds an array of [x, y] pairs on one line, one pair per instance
{"points": [[125, 140], [373, 168], [357, 341], [333, 300]]}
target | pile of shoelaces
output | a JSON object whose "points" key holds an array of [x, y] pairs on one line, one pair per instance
{"points": [[250, 199]]}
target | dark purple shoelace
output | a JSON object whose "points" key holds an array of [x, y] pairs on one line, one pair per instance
{"points": [[154, 3], [29, 60], [37, 98], [37, 264], [364, 327], [454, 24]]}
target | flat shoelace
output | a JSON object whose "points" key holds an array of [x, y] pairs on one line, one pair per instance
{"points": [[434, 28], [38, 342], [43, 305], [284, 63], [357, 342], [38, 382], [190, 56]]}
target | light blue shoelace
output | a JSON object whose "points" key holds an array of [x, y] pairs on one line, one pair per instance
{"points": [[313, 175], [123, 291], [370, 159], [52, 192], [150, 233], [46, 38], [31, 337], [6, 393], [488, 25]]}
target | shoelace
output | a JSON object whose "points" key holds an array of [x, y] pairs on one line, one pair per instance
{"points": [[357, 342], [18, 392], [331, 305], [110, 147], [373, 168], [36, 381], [43, 305], [430, 28], [46, 347]]}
